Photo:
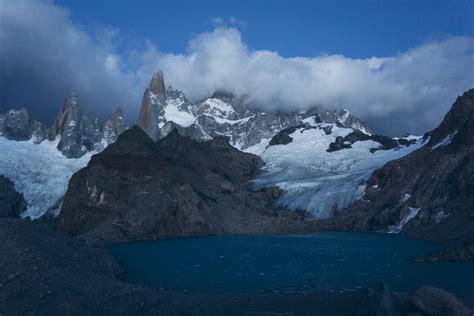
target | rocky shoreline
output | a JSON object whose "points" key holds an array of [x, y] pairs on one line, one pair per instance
{"points": [[463, 252]]}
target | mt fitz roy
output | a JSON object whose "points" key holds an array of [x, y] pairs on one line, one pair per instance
{"points": [[163, 110], [297, 172]]}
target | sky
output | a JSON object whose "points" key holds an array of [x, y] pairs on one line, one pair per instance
{"points": [[399, 65]]}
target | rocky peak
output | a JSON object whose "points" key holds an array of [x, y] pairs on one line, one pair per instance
{"points": [[157, 84], [345, 119], [80, 133], [461, 111], [114, 126], [153, 103], [18, 125], [117, 117], [68, 118], [427, 193], [172, 93]]}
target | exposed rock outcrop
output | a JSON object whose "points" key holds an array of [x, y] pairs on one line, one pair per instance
{"points": [[429, 193], [137, 189], [153, 104], [461, 252], [79, 133], [18, 125], [12, 203], [346, 119], [385, 142], [283, 137], [434, 301]]}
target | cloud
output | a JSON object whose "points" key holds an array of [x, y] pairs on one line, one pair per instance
{"points": [[47, 55], [407, 92], [219, 22]]}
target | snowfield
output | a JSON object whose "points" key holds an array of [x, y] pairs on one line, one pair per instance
{"points": [[39, 171], [314, 180]]}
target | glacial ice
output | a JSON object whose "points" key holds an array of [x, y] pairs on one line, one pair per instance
{"points": [[314, 180], [39, 171]]}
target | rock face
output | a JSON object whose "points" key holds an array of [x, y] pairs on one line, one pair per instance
{"points": [[459, 252], [79, 133], [345, 119], [433, 301], [153, 104], [222, 114], [18, 125], [12, 203], [137, 189], [429, 193], [385, 142]]}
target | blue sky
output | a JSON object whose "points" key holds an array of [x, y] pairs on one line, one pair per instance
{"points": [[356, 29], [399, 65]]}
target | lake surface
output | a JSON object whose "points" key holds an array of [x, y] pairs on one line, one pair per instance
{"points": [[301, 263]]}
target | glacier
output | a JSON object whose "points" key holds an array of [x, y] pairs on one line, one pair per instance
{"points": [[39, 171], [315, 181]]}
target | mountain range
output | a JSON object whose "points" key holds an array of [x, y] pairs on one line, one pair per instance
{"points": [[270, 172]]}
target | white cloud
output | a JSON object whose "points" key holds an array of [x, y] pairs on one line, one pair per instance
{"points": [[48, 55], [407, 92]]}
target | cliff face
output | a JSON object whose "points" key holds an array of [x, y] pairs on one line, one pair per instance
{"points": [[137, 189], [80, 133], [153, 103], [429, 193], [12, 203]]}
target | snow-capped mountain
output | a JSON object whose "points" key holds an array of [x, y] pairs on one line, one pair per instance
{"points": [[222, 114], [40, 161], [320, 161]]}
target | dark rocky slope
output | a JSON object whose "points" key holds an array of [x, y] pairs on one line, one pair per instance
{"points": [[44, 273], [437, 180], [137, 189], [12, 203]]}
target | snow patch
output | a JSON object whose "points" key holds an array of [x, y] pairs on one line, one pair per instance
{"points": [[217, 108], [174, 113], [411, 215], [446, 141], [405, 197], [440, 216]]}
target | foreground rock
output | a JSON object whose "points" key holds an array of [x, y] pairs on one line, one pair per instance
{"points": [[12, 203], [137, 189], [433, 301], [429, 193], [44, 273]]}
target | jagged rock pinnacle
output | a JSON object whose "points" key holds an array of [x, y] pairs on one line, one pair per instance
{"points": [[157, 84], [154, 100]]}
